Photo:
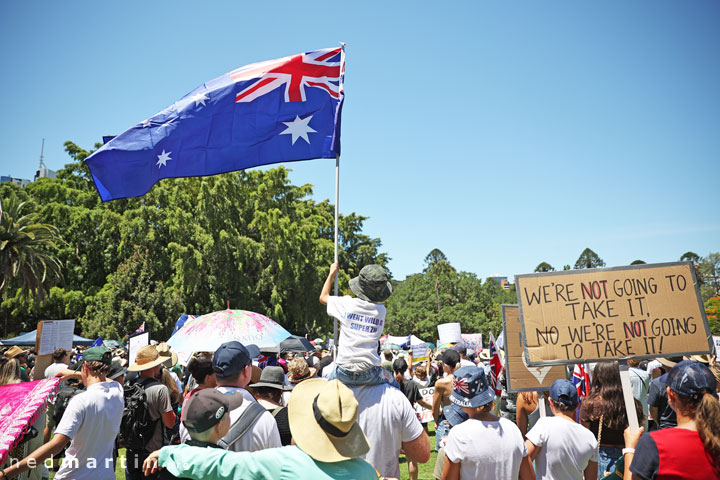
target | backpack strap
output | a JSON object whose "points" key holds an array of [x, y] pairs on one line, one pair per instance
{"points": [[242, 425], [276, 411]]}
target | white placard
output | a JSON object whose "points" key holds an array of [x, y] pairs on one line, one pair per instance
{"points": [[717, 346], [449, 333], [420, 352], [423, 414], [56, 334], [136, 343]]}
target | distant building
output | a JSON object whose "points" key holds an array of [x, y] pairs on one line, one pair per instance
{"points": [[21, 182], [44, 172], [502, 281]]}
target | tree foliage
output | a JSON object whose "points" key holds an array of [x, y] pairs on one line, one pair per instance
{"points": [[544, 267], [193, 245], [589, 259]]}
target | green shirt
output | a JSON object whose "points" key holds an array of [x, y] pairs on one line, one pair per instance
{"points": [[272, 464]]}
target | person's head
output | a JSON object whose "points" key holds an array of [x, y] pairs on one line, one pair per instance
{"points": [[201, 368], [421, 372], [472, 391], [323, 421], [61, 356], [691, 388], [17, 353], [606, 396], [206, 414], [9, 371], [298, 370], [563, 397], [117, 372], [96, 365], [271, 385], [461, 349], [148, 362], [170, 357], [633, 362], [232, 364], [400, 366], [388, 355], [372, 284], [450, 359]]}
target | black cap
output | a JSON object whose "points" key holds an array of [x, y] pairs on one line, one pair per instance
{"points": [[205, 408], [450, 358], [399, 365]]}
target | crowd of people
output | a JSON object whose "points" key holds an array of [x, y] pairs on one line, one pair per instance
{"points": [[243, 413]]}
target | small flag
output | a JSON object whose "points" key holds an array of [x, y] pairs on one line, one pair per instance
{"points": [[140, 329], [268, 112], [407, 342], [581, 380], [495, 366], [97, 343]]}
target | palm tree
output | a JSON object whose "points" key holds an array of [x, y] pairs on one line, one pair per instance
{"points": [[25, 249]]}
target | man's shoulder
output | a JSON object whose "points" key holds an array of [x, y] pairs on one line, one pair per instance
{"points": [[443, 383]]}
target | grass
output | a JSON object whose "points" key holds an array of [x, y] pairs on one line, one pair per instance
{"points": [[425, 470]]}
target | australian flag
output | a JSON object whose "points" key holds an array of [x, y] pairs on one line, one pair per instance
{"points": [[581, 380], [274, 111]]}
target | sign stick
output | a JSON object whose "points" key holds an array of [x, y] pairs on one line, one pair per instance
{"points": [[628, 395], [541, 404]]}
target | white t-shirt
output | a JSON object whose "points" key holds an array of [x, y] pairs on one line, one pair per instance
{"points": [[387, 419], [54, 369], [263, 434], [640, 383], [92, 421], [486, 450], [362, 325], [565, 449]]}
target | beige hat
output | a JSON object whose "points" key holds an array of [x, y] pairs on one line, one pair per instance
{"points": [[15, 351], [298, 370], [168, 355], [323, 421], [146, 358], [669, 362], [701, 358], [485, 354]]}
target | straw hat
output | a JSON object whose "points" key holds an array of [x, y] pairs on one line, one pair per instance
{"points": [[168, 355], [15, 351], [146, 358], [298, 370], [669, 362], [323, 421], [701, 358]]}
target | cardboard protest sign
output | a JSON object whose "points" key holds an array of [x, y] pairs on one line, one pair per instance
{"points": [[423, 414], [639, 311], [519, 376]]}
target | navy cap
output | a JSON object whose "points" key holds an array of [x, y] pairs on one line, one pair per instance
{"points": [[460, 347], [563, 391], [232, 357], [471, 388], [691, 379]]}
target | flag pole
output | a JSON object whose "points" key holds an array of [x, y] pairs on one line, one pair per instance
{"points": [[337, 198]]}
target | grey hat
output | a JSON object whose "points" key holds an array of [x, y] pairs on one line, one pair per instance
{"points": [[273, 377], [372, 285]]}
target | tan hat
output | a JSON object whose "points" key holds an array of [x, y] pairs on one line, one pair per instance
{"points": [[669, 362], [701, 358], [485, 354], [15, 351], [146, 358], [168, 355], [323, 421], [298, 370]]}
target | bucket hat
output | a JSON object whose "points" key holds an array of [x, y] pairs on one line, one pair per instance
{"points": [[323, 421], [273, 377], [471, 388], [15, 351], [454, 414], [372, 284], [168, 355], [146, 358]]}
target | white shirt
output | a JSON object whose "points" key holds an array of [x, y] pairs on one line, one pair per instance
{"points": [[54, 369], [640, 383], [362, 325], [464, 362], [92, 421], [263, 434], [387, 419], [486, 450], [566, 448]]}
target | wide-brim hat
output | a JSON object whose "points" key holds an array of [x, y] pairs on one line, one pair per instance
{"points": [[471, 388], [299, 370], [146, 358], [454, 414], [485, 354], [15, 351], [273, 377], [372, 284], [166, 353], [669, 362], [323, 421]]}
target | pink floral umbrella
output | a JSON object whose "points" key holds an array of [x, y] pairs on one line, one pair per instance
{"points": [[20, 405], [207, 332]]}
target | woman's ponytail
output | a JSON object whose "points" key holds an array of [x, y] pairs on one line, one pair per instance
{"points": [[707, 420]]}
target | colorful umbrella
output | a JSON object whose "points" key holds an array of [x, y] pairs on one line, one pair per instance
{"points": [[20, 405], [207, 332]]}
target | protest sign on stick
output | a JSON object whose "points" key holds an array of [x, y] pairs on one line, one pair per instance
{"points": [[136, 342], [717, 346], [519, 376], [639, 311]]}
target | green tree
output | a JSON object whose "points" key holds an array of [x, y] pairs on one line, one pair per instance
{"points": [[589, 259], [690, 257], [709, 269], [544, 267], [638, 262]]}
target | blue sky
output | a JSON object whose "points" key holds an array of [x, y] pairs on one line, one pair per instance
{"points": [[503, 133]]}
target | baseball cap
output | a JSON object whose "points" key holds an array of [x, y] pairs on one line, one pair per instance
{"points": [[691, 379], [471, 388], [205, 408], [460, 347], [232, 357], [563, 391], [450, 357], [98, 354]]}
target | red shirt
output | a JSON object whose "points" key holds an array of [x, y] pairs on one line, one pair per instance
{"points": [[672, 453]]}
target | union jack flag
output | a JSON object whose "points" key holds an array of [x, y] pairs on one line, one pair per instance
{"points": [[297, 72], [461, 385], [495, 366], [581, 380]]}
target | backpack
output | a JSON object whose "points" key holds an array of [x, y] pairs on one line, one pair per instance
{"points": [[67, 391], [242, 425], [137, 427]]}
